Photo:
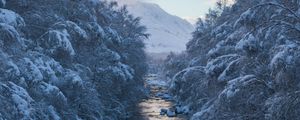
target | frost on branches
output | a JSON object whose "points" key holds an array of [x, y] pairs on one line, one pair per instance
{"points": [[65, 60], [242, 63]]}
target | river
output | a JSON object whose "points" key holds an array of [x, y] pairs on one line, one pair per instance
{"points": [[150, 107]]}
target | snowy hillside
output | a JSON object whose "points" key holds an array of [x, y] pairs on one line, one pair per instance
{"points": [[168, 32]]}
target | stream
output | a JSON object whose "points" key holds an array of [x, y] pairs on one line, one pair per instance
{"points": [[151, 107]]}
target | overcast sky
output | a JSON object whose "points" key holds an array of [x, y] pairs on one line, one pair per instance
{"points": [[188, 9]]}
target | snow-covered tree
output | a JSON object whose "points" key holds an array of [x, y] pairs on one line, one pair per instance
{"points": [[243, 63], [69, 59]]}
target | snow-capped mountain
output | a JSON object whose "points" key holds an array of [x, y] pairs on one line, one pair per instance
{"points": [[168, 32]]}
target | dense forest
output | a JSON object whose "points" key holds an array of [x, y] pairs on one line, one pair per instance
{"points": [[243, 63], [86, 60], [69, 60]]}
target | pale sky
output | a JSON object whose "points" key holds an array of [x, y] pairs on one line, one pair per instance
{"points": [[187, 9]]}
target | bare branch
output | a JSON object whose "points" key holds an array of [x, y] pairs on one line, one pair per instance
{"points": [[277, 5]]}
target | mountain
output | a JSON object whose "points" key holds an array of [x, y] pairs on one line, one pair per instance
{"points": [[168, 32]]}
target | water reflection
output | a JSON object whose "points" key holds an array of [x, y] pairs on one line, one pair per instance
{"points": [[149, 109]]}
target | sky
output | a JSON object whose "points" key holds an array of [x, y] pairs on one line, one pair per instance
{"points": [[187, 9]]}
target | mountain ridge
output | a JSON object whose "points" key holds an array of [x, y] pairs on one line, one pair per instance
{"points": [[169, 33]]}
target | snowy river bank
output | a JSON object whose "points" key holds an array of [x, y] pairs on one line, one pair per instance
{"points": [[159, 105]]}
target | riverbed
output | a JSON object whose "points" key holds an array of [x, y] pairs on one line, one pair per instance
{"points": [[150, 107]]}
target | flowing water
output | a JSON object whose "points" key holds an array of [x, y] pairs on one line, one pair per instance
{"points": [[149, 108]]}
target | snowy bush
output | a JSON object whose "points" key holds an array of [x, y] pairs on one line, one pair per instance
{"points": [[282, 106], [11, 18], [18, 102], [76, 32], [96, 30], [219, 51], [30, 71], [10, 40], [217, 66], [242, 98], [193, 81], [248, 18], [231, 71], [59, 42], [285, 67], [249, 44], [22, 100], [9, 70]]}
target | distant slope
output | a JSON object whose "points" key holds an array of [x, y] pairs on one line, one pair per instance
{"points": [[168, 32]]}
